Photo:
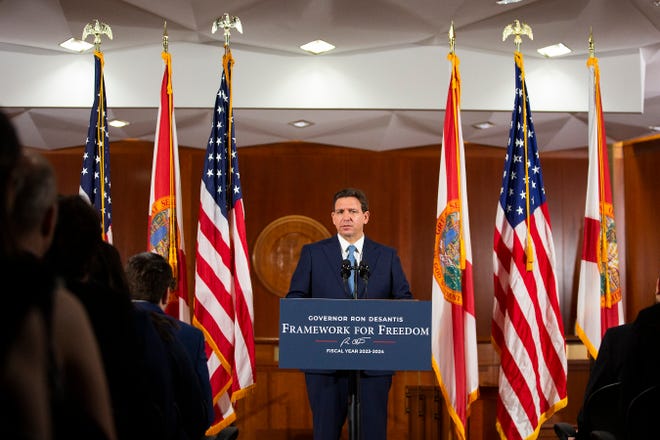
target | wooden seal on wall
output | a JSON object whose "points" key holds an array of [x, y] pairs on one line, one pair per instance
{"points": [[277, 249]]}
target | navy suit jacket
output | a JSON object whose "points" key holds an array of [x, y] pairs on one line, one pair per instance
{"points": [[318, 274], [192, 340]]}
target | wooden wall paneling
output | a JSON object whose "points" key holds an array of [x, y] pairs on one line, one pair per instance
{"points": [[565, 181], [131, 182], [66, 163], [484, 167], [130, 174], [191, 161], [481, 424], [576, 384], [421, 167], [425, 411], [642, 198], [402, 411]]}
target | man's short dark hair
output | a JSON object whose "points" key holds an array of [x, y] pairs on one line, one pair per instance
{"points": [[352, 192], [149, 276]]}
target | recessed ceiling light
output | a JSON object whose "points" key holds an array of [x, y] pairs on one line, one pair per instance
{"points": [[301, 123], [506, 2], [317, 46], [76, 45], [118, 123], [554, 51], [654, 127], [483, 125]]}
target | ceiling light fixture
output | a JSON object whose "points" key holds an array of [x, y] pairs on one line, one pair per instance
{"points": [[76, 45], [301, 123], [554, 51], [317, 47], [118, 123], [654, 128], [483, 125], [506, 2]]}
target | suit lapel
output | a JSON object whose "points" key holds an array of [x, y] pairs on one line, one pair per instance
{"points": [[332, 252]]}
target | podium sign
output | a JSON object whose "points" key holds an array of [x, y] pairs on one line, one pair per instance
{"points": [[369, 334]]}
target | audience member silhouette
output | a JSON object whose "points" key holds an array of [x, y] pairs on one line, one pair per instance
{"points": [[24, 401], [607, 369], [640, 370], [135, 360], [73, 392], [629, 354], [150, 279]]}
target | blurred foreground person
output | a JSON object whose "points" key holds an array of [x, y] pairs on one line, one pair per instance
{"points": [[135, 359], [24, 400], [69, 395]]}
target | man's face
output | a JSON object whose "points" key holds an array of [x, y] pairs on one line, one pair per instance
{"points": [[349, 219]]}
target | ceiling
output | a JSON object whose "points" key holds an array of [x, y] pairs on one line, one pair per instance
{"points": [[364, 32]]}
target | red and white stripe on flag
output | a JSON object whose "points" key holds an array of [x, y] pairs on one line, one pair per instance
{"points": [[223, 290], [165, 236], [214, 307], [527, 328], [454, 339], [600, 304]]}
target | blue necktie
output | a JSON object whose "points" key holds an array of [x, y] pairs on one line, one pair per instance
{"points": [[351, 278]]}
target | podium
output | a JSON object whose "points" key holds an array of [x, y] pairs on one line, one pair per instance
{"points": [[355, 335]]}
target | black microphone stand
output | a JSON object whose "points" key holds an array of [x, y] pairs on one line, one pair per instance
{"points": [[347, 270], [354, 381]]}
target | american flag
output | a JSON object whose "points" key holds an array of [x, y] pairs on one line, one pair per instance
{"points": [[600, 303], [165, 236], [527, 328], [95, 174], [454, 337], [223, 290]]}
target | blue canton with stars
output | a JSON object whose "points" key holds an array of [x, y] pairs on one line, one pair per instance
{"points": [[513, 192], [95, 174], [216, 172]]}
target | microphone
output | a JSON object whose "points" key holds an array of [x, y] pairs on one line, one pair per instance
{"points": [[345, 270], [363, 270]]}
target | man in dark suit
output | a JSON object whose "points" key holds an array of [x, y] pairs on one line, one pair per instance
{"points": [[628, 354], [607, 369], [150, 278], [319, 275]]}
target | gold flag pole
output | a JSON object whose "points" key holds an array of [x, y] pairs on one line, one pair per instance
{"points": [[456, 91], [517, 29], [173, 247], [603, 254], [97, 29]]}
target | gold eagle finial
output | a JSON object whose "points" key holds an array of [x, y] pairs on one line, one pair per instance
{"points": [[516, 28], [227, 22], [97, 29]]}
